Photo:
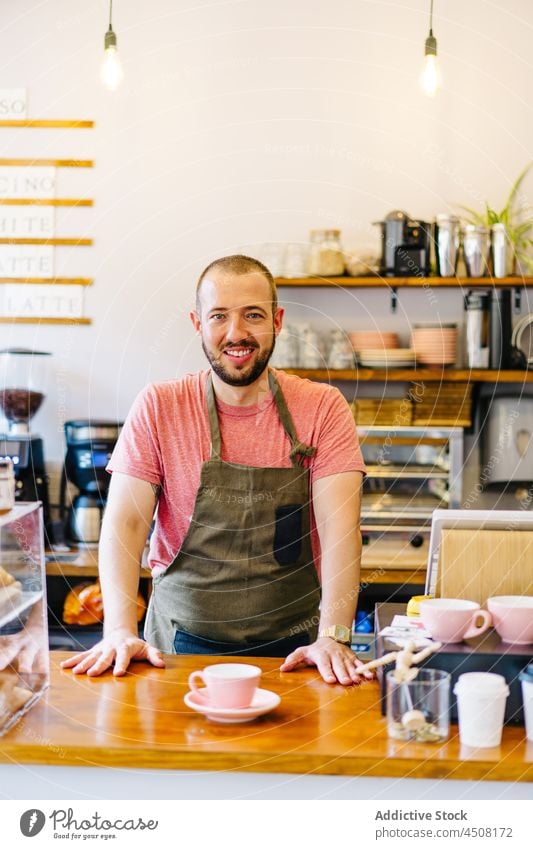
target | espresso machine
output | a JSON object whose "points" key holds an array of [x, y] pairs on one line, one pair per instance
{"points": [[90, 444], [22, 381], [405, 246]]}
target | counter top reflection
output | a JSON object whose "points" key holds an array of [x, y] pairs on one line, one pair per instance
{"points": [[140, 721]]}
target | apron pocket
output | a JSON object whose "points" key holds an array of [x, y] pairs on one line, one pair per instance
{"points": [[288, 534]]}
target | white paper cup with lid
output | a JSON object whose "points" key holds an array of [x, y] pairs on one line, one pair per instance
{"points": [[526, 679], [481, 698]]}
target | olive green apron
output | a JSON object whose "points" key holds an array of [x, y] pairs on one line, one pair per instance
{"points": [[245, 571]]}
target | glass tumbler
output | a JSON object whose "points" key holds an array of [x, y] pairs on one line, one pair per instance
{"points": [[419, 710]]}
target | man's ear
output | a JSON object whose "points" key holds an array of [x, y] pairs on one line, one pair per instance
{"points": [[278, 319], [196, 323]]}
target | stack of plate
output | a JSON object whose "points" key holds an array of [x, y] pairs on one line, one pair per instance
{"points": [[435, 344], [386, 357], [363, 339]]}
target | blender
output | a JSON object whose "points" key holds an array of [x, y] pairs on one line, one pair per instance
{"points": [[22, 383]]}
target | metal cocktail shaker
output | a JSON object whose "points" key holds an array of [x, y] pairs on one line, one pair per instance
{"points": [[476, 250], [447, 242], [477, 329], [500, 329], [501, 251]]}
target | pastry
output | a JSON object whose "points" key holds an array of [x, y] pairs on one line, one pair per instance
{"points": [[10, 597], [5, 578]]}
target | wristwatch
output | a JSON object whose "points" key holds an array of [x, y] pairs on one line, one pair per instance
{"points": [[339, 633]]}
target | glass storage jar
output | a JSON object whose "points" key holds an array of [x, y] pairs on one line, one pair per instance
{"points": [[325, 253], [7, 485]]}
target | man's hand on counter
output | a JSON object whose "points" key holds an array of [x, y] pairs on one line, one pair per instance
{"points": [[118, 648], [334, 661]]}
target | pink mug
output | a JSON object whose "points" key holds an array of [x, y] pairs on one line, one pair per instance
{"points": [[451, 620], [512, 616], [226, 685]]}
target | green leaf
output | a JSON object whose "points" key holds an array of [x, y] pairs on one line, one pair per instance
{"points": [[518, 182], [475, 217]]}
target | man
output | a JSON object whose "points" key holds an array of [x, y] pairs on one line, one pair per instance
{"points": [[256, 476]]}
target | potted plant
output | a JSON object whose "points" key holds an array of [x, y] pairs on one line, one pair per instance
{"points": [[518, 221]]}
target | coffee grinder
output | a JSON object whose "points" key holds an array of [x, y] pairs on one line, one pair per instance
{"points": [[22, 381], [90, 444]]}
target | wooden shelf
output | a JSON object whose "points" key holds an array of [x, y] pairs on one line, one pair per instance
{"points": [[47, 123], [376, 282], [55, 163], [433, 375], [54, 241], [46, 202], [41, 320], [56, 281]]}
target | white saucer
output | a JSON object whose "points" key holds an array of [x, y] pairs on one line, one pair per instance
{"points": [[262, 702]]}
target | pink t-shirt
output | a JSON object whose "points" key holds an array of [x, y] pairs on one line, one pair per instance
{"points": [[166, 439]]}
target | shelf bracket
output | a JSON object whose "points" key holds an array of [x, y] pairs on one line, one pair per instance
{"points": [[393, 299], [517, 300]]}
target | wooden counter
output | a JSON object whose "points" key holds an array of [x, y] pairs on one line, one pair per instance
{"points": [[140, 721], [397, 567]]}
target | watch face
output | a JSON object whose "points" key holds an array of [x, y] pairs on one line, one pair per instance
{"points": [[343, 634], [340, 633]]}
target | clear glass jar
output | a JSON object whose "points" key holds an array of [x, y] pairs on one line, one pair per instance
{"points": [[7, 485], [325, 253]]}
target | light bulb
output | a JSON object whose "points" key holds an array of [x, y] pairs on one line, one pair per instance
{"points": [[111, 72], [430, 78]]}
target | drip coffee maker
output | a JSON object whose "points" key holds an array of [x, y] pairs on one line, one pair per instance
{"points": [[90, 444], [22, 384]]}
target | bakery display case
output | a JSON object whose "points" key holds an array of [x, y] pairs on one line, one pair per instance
{"points": [[24, 665]]}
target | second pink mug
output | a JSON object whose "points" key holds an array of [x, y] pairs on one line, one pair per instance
{"points": [[451, 620], [226, 685]]}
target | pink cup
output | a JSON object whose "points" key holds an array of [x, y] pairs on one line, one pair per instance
{"points": [[228, 685], [512, 616], [451, 620]]}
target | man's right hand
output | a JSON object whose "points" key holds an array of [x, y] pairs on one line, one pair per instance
{"points": [[119, 648]]}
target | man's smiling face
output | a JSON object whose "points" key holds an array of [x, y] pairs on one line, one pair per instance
{"points": [[237, 325]]}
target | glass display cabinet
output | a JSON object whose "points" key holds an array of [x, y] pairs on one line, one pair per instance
{"points": [[24, 662]]}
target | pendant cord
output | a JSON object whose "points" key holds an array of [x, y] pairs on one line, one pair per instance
{"points": [[430, 17], [111, 12]]}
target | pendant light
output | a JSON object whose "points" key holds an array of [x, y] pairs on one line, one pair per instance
{"points": [[430, 78], [111, 72]]}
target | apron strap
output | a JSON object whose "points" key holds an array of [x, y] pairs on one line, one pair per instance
{"points": [[298, 449], [214, 427]]}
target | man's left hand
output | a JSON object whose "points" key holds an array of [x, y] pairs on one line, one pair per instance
{"points": [[335, 661]]}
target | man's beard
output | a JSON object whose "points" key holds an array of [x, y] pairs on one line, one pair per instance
{"points": [[246, 379]]}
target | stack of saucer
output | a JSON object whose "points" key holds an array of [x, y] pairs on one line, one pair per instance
{"points": [[435, 344], [364, 339], [386, 357]]}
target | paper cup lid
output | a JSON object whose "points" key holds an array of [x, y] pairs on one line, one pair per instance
{"points": [[527, 674], [481, 683]]}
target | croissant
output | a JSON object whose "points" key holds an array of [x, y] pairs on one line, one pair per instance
{"points": [[84, 605]]}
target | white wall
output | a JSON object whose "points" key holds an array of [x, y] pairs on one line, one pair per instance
{"points": [[242, 122]]}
